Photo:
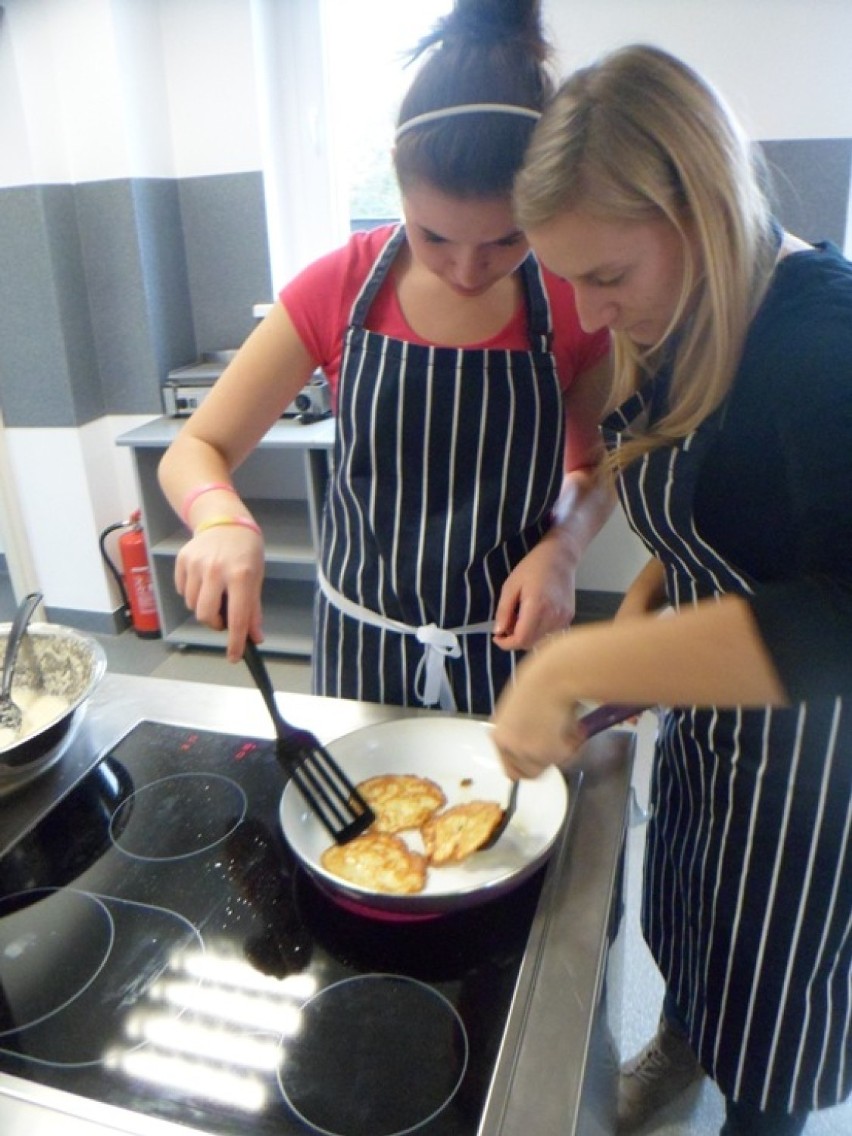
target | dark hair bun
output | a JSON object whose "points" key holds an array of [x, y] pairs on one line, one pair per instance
{"points": [[482, 23], [483, 51]]}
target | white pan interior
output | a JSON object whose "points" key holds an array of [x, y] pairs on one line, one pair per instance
{"points": [[459, 755]]}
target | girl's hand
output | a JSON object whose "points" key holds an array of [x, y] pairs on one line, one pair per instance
{"points": [[534, 726], [224, 561], [539, 596], [536, 599]]}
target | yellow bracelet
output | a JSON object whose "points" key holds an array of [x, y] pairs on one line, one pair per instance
{"points": [[214, 522]]}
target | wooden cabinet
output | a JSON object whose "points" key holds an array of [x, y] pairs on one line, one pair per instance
{"points": [[284, 483]]}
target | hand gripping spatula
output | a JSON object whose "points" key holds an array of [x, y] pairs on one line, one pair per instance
{"points": [[595, 722]]}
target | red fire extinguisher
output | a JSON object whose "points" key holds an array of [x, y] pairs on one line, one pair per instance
{"points": [[134, 579]]}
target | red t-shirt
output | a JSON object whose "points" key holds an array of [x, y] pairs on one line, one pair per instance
{"points": [[319, 302]]}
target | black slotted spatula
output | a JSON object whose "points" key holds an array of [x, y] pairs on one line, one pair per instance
{"points": [[327, 790]]}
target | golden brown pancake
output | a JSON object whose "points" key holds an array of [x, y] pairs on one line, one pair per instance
{"points": [[401, 801], [451, 836], [378, 861]]}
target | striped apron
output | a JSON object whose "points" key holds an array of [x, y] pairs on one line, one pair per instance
{"points": [[447, 462], [747, 902]]}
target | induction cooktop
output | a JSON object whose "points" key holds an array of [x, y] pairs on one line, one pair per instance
{"points": [[162, 952]]}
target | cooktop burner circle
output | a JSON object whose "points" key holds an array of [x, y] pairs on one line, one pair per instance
{"points": [[53, 945], [189, 812], [376, 1055]]}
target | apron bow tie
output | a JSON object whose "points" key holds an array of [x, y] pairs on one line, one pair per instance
{"points": [[440, 644]]}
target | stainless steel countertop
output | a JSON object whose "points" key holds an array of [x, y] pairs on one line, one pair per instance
{"points": [[542, 1078]]}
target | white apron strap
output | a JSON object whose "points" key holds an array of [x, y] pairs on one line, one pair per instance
{"points": [[431, 683]]}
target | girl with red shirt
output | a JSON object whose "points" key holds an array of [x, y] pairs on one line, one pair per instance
{"points": [[458, 504]]}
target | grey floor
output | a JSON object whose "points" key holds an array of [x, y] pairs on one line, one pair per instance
{"points": [[697, 1113]]}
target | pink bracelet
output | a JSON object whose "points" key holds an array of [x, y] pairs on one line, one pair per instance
{"points": [[214, 522], [193, 495]]}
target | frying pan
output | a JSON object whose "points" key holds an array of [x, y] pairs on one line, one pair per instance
{"points": [[460, 756]]}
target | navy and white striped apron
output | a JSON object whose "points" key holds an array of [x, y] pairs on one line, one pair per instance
{"points": [[447, 462], [747, 904]]}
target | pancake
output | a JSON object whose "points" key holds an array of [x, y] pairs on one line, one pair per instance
{"points": [[401, 801], [453, 835], [379, 861]]}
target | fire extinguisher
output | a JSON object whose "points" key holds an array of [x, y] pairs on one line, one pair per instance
{"points": [[134, 580]]}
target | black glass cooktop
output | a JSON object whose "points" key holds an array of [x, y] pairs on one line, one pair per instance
{"points": [[161, 951]]}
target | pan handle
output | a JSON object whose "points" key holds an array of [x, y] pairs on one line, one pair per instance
{"points": [[609, 714]]}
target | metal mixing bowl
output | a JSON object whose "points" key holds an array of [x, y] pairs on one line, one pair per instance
{"points": [[58, 661]]}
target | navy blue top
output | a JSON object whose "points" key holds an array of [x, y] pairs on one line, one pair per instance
{"points": [[775, 493]]}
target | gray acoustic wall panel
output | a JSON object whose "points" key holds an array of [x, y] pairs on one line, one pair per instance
{"points": [[116, 288], [810, 184], [44, 317], [107, 286], [136, 283], [168, 304], [227, 255]]}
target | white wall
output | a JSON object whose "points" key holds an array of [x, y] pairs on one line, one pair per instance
{"points": [[62, 524], [100, 89], [783, 65], [211, 84]]}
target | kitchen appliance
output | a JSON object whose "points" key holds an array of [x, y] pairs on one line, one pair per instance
{"points": [[458, 755], [177, 969], [185, 388]]}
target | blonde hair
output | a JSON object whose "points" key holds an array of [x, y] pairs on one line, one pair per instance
{"points": [[640, 136]]}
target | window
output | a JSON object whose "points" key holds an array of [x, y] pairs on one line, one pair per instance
{"points": [[366, 47], [330, 77]]}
